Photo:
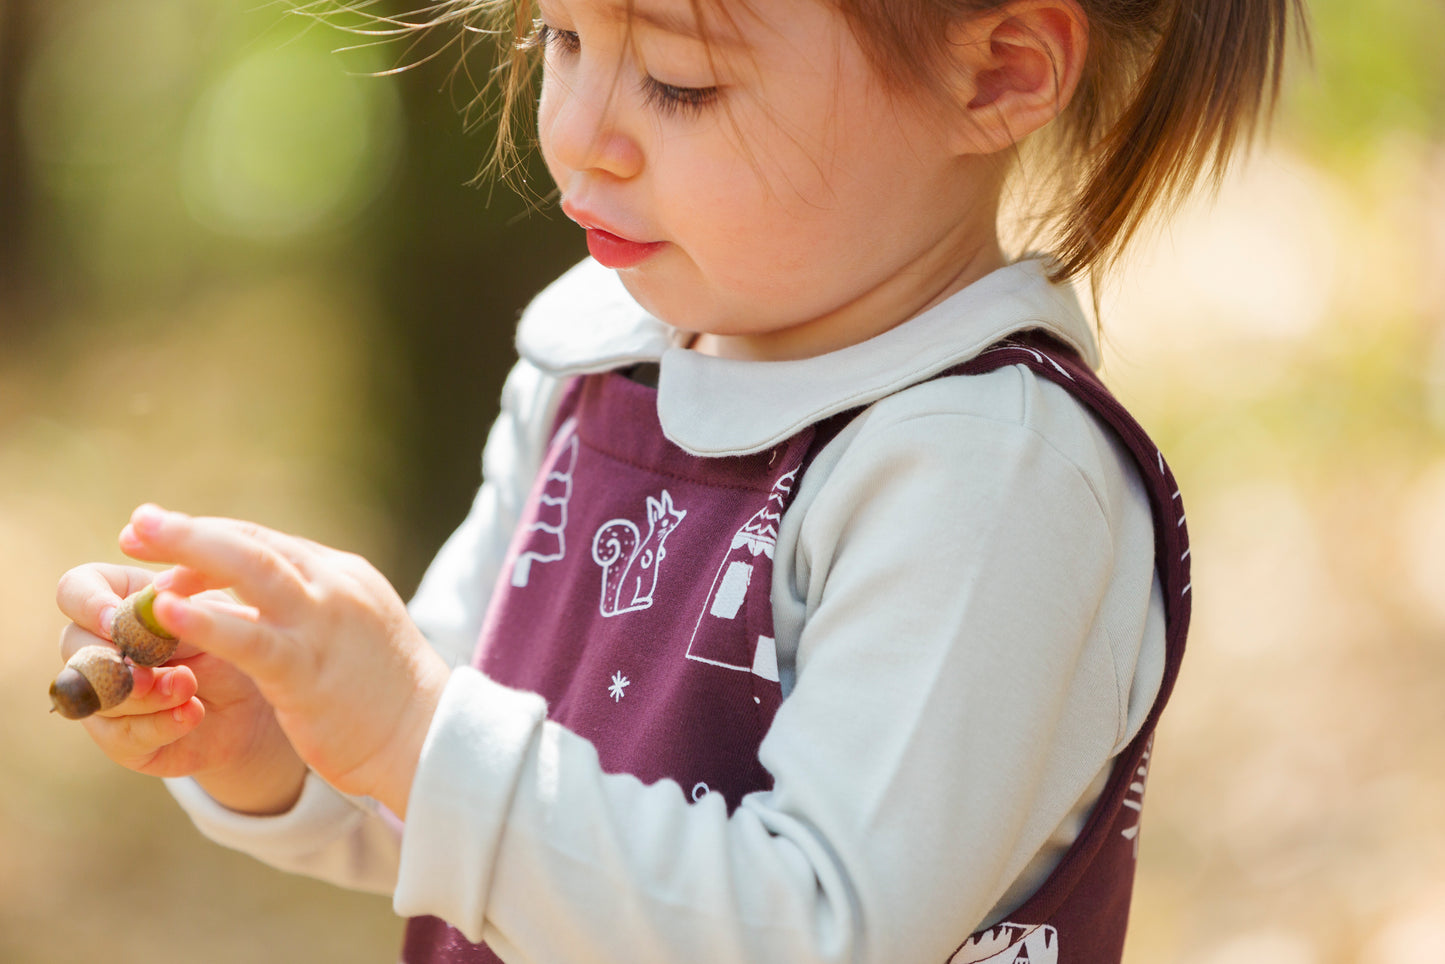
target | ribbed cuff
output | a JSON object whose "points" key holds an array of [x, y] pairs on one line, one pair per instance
{"points": [[479, 740], [320, 812]]}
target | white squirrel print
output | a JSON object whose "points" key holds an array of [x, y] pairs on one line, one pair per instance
{"points": [[630, 562]]}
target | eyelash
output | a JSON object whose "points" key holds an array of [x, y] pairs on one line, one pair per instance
{"points": [[666, 99]]}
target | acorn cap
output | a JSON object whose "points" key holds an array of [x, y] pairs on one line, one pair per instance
{"points": [[136, 633], [95, 678]]}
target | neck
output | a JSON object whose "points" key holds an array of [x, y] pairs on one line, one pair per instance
{"points": [[931, 279]]}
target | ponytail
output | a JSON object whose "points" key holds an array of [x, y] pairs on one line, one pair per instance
{"points": [[1169, 89], [1214, 75]]}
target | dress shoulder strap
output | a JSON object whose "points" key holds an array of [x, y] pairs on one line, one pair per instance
{"points": [[1061, 365], [1116, 812]]}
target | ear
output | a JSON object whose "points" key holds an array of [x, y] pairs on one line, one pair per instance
{"points": [[1018, 66]]}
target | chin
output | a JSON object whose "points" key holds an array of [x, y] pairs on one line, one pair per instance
{"points": [[677, 311], [698, 310]]}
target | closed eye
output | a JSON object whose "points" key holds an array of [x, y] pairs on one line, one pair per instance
{"points": [[550, 38], [671, 99], [666, 99]]}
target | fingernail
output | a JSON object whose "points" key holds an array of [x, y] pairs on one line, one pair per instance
{"points": [[176, 611], [107, 617], [147, 519], [168, 684], [163, 580]]}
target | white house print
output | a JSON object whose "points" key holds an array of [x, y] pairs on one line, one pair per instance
{"points": [[629, 561], [713, 639], [548, 539], [1010, 944]]}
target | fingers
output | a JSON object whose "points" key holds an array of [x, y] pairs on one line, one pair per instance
{"points": [[135, 740], [232, 633], [89, 594], [153, 689], [156, 691], [259, 564], [162, 708], [74, 636], [185, 581]]}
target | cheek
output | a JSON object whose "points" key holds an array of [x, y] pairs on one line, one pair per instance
{"points": [[800, 168], [748, 199], [553, 105], [743, 231], [546, 117]]}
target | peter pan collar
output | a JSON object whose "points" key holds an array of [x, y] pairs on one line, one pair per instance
{"points": [[586, 322]]}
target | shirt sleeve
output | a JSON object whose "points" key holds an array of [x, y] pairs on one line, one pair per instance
{"points": [[957, 693], [354, 842]]}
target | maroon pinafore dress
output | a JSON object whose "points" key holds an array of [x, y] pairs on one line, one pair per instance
{"points": [[637, 599]]}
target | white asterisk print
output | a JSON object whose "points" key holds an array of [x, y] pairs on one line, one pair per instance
{"points": [[619, 683]]}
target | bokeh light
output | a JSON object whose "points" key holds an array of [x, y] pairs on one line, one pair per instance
{"points": [[241, 276], [282, 143]]}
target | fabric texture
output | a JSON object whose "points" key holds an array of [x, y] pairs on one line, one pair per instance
{"points": [[636, 600], [968, 630]]}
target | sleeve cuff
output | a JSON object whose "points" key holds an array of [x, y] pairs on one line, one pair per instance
{"points": [[480, 738], [319, 812]]}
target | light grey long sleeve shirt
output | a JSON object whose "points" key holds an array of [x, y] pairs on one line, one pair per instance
{"points": [[968, 628]]}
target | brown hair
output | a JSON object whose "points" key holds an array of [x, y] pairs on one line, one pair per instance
{"points": [[1169, 90]]}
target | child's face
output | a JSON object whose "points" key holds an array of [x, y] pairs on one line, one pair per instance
{"points": [[763, 188]]}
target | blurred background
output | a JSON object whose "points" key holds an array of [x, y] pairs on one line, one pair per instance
{"points": [[239, 276]]}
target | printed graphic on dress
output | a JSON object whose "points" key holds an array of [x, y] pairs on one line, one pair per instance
{"points": [[548, 536], [1010, 944], [1134, 799], [618, 687], [719, 638], [1034, 353], [630, 561]]}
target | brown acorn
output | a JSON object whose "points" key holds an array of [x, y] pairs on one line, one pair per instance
{"points": [[136, 633], [95, 678]]}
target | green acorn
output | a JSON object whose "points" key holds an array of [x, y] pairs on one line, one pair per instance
{"points": [[137, 634], [95, 678]]}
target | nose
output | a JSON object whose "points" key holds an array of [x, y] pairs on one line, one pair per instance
{"points": [[580, 125]]}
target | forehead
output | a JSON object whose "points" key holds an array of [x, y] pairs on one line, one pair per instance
{"points": [[718, 22]]}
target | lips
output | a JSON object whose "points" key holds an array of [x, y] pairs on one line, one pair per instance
{"points": [[616, 252], [607, 247]]}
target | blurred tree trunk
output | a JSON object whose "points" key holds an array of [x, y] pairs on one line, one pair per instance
{"points": [[455, 265], [16, 35]]}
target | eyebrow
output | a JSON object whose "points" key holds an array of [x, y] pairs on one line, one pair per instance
{"points": [[672, 21]]}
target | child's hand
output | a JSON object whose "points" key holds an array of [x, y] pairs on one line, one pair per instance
{"points": [[195, 716], [328, 642]]}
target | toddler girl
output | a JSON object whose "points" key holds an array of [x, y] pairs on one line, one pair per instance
{"points": [[818, 602]]}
